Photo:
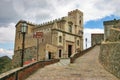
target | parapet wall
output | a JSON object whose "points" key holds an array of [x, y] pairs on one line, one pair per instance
{"points": [[77, 55], [23, 72], [52, 21], [74, 12], [110, 57]]}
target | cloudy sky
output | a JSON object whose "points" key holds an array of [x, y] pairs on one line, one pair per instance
{"points": [[38, 11]]}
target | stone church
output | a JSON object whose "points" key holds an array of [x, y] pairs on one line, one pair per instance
{"points": [[61, 38]]}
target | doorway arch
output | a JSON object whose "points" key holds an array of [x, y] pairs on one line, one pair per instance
{"points": [[60, 53]]}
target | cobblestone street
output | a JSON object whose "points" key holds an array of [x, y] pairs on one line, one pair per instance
{"points": [[86, 67]]}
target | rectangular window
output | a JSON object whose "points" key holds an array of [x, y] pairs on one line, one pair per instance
{"points": [[70, 28], [80, 22], [19, 35], [78, 42], [60, 39]]}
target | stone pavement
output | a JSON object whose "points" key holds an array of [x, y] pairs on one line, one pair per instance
{"points": [[86, 67]]}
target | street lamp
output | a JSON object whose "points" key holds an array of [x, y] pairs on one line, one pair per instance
{"points": [[23, 31]]}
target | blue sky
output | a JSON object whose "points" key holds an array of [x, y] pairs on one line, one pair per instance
{"points": [[99, 23], [38, 11], [8, 45]]}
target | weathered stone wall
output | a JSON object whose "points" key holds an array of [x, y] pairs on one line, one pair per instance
{"points": [[51, 32], [110, 57], [114, 35], [96, 38], [22, 73], [108, 25], [29, 54]]}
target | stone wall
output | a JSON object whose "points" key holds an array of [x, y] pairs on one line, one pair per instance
{"points": [[110, 49], [96, 38], [108, 25], [22, 73], [110, 57], [51, 32], [114, 35], [29, 54]]}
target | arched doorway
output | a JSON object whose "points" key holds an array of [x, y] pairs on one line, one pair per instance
{"points": [[60, 53], [69, 50], [49, 55]]}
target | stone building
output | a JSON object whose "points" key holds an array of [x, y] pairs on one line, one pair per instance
{"points": [[96, 38], [108, 26], [61, 38], [110, 47]]}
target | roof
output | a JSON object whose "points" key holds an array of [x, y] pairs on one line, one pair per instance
{"points": [[23, 21], [42, 24]]}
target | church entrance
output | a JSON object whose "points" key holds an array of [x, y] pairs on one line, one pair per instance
{"points": [[49, 55], [60, 52], [69, 50]]}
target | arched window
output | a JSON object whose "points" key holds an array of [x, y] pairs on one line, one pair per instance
{"points": [[60, 53], [78, 42], [42, 40], [80, 22], [60, 39], [18, 47], [70, 28], [70, 25]]}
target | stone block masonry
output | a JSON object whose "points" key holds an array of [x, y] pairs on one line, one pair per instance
{"points": [[110, 49], [110, 57], [65, 34], [30, 53], [96, 38]]}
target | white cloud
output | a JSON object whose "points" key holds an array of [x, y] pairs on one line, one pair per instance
{"points": [[4, 52], [7, 34], [87, 34], [43, 10], [39, 10]]}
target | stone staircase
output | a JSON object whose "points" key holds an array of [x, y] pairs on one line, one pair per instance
{"points": [[63, 62]]}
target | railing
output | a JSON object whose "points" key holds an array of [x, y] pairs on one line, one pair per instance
{"points": [[75, 56], [23, 72]]}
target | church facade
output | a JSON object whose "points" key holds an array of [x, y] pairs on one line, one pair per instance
{"points": [[61, 38]]}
